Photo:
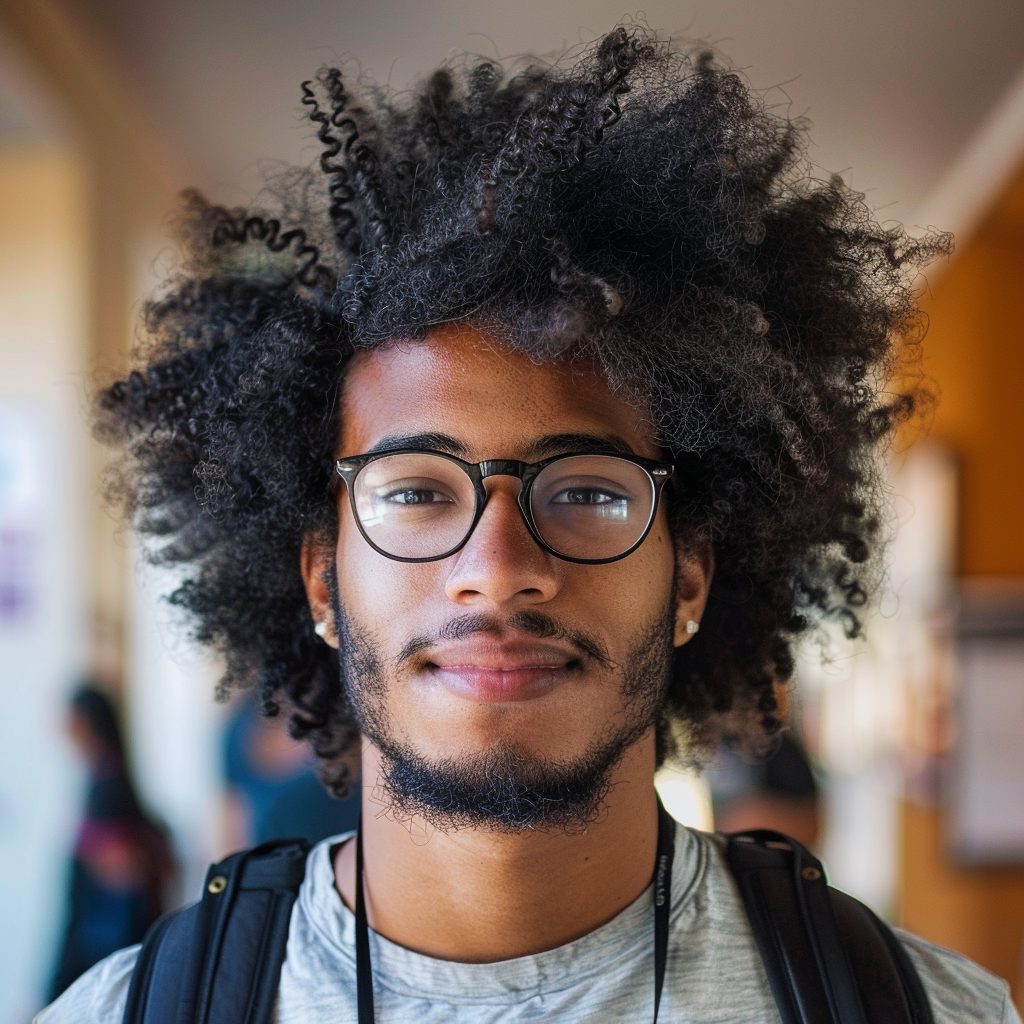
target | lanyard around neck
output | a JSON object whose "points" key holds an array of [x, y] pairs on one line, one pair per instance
{"points": [[662, 909]]}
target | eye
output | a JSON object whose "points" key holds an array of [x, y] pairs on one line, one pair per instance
{"points": [[416, 496], [587, 496]]}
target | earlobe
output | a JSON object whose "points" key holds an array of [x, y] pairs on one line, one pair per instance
{"points": [[315, 560], [693, 580]]}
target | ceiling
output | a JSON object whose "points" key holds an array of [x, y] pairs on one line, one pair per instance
{"points": [[895, 88]]}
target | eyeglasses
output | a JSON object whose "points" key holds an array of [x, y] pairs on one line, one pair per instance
{"points": [[415, 505]]}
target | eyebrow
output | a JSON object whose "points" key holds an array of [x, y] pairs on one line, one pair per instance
{"points": [[542, 447], [570, 444], [430, 439]]}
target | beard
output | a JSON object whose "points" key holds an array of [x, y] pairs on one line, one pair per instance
{"points": [[504, 788]]}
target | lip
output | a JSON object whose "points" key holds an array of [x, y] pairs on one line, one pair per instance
{"points": [[500, 672]]}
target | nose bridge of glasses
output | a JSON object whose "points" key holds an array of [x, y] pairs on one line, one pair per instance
{"points": [[502, 467]]}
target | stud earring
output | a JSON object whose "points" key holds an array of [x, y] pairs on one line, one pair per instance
{"points": [[320, 629], [692, 627]]}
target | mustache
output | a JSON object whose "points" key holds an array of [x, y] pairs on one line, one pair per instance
{"points": [[535, 624]]}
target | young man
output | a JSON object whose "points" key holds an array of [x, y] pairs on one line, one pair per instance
{"points": [[519, 445]]}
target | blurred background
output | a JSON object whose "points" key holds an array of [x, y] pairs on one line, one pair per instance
{"points": [[907, 766]]}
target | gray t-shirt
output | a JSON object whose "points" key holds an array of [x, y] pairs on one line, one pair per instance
{"points": [[714, 971]]}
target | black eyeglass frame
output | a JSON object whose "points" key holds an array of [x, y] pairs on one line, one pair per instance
{"points": [[659, 474]]}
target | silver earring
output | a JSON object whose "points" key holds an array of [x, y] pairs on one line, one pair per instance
{"points": [[320, 629], [692, 627]]}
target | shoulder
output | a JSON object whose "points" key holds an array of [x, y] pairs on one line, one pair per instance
{"points": [[99, 995], [958, 989]]}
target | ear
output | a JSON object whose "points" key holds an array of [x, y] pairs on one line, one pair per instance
{"points": [[694, 569], [316, 559]]}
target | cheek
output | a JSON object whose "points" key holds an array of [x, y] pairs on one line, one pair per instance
{"points": [[378, 592], [621, 600], [652, 567]]}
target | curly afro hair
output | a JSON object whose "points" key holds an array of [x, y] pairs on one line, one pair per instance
{"points": [[636, 205]]}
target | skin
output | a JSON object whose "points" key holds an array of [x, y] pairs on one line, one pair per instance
{"points": [[477, 894]]}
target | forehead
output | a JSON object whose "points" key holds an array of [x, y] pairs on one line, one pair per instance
{"points": [[464, 383]]}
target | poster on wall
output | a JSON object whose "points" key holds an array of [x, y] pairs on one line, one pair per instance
{"points": [[20, 514], [986, 789]]}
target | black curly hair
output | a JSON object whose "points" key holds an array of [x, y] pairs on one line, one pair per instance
{"points": [[636, 205]]}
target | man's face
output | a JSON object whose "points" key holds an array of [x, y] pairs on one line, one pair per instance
{"points": [[501, 665]]}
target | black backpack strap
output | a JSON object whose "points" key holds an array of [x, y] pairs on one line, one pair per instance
{"points": [[829, 959], [889, 984], [219, 961]]}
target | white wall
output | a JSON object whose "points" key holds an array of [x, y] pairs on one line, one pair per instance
{"points": [[44, 509], [174, 726]]}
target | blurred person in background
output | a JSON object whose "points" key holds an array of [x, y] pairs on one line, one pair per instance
{"points": [[778, 792], [272, 790], [122, 864]]}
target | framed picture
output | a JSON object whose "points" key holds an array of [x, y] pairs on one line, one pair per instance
{"points": [[986, 783]]}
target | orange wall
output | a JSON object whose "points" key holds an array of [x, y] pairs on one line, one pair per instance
{"points": [[974, 352], [978, 912]]}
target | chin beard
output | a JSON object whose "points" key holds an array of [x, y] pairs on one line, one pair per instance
{"points": [[504, 789], [501, 789]]}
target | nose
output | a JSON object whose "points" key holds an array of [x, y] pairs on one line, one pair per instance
{"points": [[501, 563]]}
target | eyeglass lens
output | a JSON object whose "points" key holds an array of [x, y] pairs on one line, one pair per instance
{"points": [[417, 505]]}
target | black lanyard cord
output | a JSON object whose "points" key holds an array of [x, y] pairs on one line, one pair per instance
{"points": [[662, 910], [662, 899], [364, 970]]}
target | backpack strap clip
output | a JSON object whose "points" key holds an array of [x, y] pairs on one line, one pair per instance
{"points": [[828, 958], [220, 960]]}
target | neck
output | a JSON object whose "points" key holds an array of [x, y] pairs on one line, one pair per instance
{"points": [[479, 896]]}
